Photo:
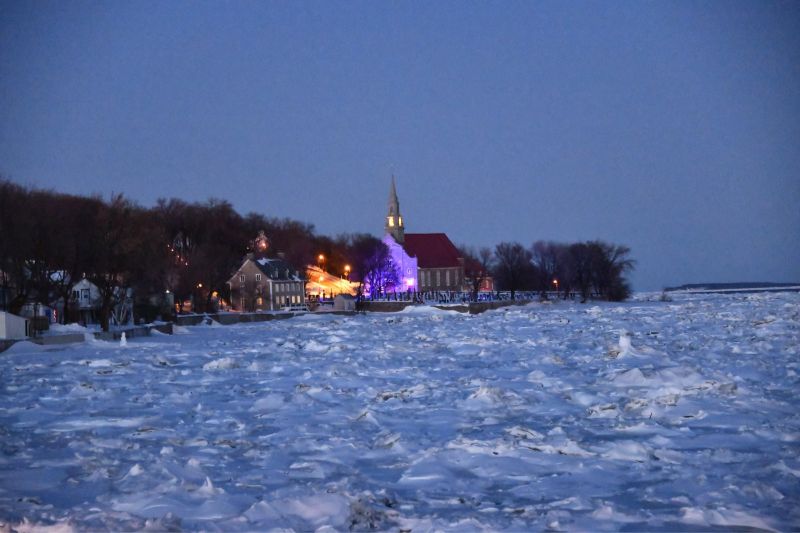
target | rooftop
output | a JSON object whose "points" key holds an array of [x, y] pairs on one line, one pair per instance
{"points": [[432, 250]]}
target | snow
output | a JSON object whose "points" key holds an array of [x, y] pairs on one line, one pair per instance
{"points": [[677, 415]]}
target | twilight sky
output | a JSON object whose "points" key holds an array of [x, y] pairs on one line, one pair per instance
{"points": [[672, 127]]}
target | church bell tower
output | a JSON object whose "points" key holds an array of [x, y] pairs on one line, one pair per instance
{"points": [[394, 220]]}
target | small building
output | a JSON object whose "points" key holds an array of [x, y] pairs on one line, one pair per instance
{"points": [[13, 326], [85, 301], [344, 302], [472, 268], [266, 284]]}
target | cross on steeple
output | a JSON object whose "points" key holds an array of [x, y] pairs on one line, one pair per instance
{"points": [[394, 220]]}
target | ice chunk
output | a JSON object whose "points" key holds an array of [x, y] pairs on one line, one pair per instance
{"points": [[221, 364]]}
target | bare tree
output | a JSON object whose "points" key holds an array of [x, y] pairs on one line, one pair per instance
{"points": [[610, 263], [513, 266], [477, 268], [548, 258], [578, 269], [371, 264], [598, 267], [121, 247]]}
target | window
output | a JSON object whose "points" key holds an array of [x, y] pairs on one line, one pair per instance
{"points": [[447, 277], [258, 277], [438, 277], [241, 278], [259, 301], [391, 222], [400, 221], [84, 294]]}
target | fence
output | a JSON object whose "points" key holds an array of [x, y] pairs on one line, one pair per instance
{"points": [[463, 297]]}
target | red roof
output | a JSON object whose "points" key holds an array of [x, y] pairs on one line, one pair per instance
{"points": [[432, 250]]}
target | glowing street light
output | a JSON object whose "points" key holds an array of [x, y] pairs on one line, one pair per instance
{"points": [[347, 271], [555, 282], [321, 261]]}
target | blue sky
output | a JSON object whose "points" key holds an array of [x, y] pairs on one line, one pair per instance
{"points": [[671, 127]]}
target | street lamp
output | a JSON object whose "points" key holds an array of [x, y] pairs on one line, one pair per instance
{"points": [[555, 282], [321, 261], [347, 272]]}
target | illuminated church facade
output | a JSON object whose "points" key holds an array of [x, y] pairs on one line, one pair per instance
{"points": [[425, 261]]}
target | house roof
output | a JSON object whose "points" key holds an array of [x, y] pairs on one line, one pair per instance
{"points": [[276, 269], [432, 250]]}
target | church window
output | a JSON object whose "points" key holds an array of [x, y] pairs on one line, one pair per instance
{"points": [[438, 277], [391, 222], [447, 277], [399, 221]]}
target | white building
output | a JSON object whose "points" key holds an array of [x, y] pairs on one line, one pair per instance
{"points": [[13, 326], [86, 300]]}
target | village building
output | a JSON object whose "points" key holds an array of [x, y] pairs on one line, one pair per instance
{"points": [[321, 284], [426, 261], [266, 284], [85, 301], [14, 327]]}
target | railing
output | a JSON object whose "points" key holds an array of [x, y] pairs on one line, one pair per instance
{"points": [[459, 297]]}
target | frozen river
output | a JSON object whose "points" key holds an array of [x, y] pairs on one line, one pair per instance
{"points": [[644, 415]]}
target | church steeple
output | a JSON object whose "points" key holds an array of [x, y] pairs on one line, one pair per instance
{"points": [[394, 220]]}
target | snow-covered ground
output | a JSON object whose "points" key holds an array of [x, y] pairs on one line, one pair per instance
{"points": [[645, 415]]}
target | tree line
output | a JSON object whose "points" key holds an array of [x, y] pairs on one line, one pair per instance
{"points": [[592, 269], [51, 240]]}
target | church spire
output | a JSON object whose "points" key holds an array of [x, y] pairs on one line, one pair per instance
{"points": [[394, 220]]}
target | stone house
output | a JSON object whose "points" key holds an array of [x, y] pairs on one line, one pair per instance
{"points": [[266, 284]]}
